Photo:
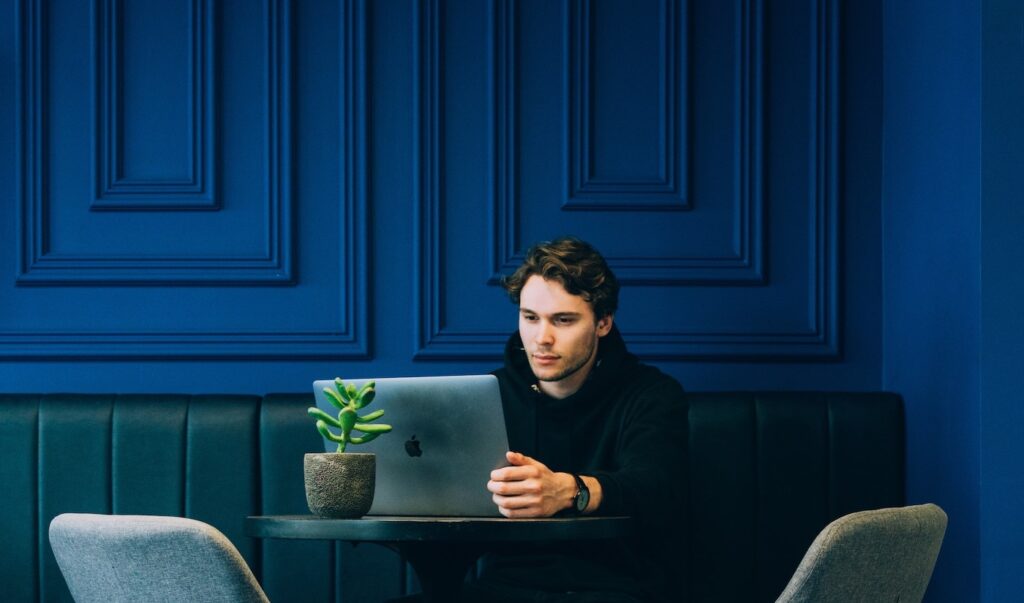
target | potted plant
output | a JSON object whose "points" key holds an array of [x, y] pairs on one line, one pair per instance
{"points": [[341, 484]]}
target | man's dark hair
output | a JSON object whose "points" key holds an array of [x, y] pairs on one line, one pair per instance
{"points": [[577, 266]]}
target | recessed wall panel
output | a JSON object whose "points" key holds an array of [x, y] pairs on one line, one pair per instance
{"points": [[721, 244], [170, 282], [61, 241], [627, 67], [724, 280], [155, 100]]}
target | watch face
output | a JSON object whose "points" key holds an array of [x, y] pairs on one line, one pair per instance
{"points": [[582, 500]]}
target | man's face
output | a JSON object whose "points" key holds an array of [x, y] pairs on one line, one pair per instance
{"points": [[559, 333]]}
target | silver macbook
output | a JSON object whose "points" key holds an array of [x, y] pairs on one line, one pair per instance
{"points": [[449, 434]]}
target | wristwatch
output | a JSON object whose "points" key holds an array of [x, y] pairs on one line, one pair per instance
{"points": [[582, 497]]}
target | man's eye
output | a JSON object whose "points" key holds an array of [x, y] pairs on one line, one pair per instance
{"points": [[565, 320], [529, 317]]}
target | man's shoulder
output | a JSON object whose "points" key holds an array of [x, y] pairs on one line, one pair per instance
{"points": [[649, 379], [652, 398], [649, 390]]}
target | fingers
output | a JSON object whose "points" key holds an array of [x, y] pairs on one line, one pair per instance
{"points": [[519, 506], [519, 489], [515, 474], [516, 502], [518, 498], [521, 467], [521, 513], [520, 459], [515, 487]]}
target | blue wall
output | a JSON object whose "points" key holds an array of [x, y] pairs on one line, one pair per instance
{"points": [[1002, 285], [952, 218], [930, 217], [244, 197]]}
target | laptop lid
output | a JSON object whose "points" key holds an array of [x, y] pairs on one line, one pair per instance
{"points": [[449, 434]]}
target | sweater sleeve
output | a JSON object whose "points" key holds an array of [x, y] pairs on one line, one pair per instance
{"points": [[647, 478]]}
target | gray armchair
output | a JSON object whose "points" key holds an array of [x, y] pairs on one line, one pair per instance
{"points": [[111, 558], [870, 556]]}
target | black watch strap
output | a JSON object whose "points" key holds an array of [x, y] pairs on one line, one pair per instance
{"points": [[582, 496]]}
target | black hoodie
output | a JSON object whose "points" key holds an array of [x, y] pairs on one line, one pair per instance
{"points": [[626, 426]]}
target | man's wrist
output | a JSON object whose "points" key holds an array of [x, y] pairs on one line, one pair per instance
{"points": [[569, 491]]}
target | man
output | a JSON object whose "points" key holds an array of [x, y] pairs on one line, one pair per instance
{"points": [[592, 431]]}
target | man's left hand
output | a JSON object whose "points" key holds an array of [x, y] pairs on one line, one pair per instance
{"points": [[529, 489]]}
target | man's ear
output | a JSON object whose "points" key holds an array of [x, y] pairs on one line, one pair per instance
{"points": [[604, 326]]}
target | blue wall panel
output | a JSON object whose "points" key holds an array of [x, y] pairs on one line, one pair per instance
{"points": [[78, 128], [200, 261], [626, 59], [709, 263], [281, 186], [155, 103]]}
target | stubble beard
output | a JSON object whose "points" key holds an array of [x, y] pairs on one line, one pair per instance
{"points": [[572, 369]]}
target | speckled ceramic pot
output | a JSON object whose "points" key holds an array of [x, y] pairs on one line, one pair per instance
{"points": [[340, 485]]}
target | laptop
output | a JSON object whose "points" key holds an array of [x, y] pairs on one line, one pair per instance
{"points": [[448, 435]]}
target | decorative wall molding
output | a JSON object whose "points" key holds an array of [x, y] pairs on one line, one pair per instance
{"points": [[745, 267], [352, 340], [429, 127], [590, 191], [115, 191], [39, 265], [347, 339], [819, 340]]}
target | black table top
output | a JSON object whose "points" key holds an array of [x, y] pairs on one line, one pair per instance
{"points": [[438, 529]]}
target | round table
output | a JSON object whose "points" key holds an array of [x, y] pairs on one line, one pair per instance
{"points": [[440, 549]]}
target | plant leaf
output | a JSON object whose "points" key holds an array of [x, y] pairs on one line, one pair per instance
{"points": [[366, 398], [342, 390], [370, 417], [368, 386], [334, 398], [372, 427], [322, 428], [326, 418], [366, 438], [347, 418]]}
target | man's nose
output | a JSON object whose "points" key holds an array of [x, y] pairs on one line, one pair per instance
{"points": [[545, 334]]}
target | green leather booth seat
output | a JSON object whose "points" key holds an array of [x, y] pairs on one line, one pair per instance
{"points": [[766, 472]]}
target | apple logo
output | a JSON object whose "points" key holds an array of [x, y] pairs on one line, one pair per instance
{"points": [[412, 447]]}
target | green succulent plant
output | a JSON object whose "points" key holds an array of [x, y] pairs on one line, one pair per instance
{"points": [[348, 400]]}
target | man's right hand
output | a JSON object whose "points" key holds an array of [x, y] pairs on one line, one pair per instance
{"points": [[527, 488]]}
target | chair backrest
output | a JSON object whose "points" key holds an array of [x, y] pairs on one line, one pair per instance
{"points": [[108, 558], [880, 555]]}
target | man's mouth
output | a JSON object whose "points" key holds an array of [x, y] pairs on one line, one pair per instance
{"points": [[545, 358]]}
